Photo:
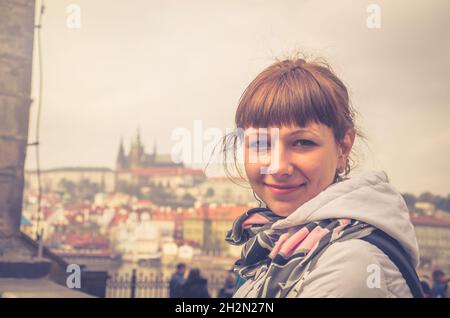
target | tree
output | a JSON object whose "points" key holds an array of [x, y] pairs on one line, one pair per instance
{"points": [[160, 196], [87, 189], [410, 199], [188, 200], [209, 193], [427, 197], [68, 187], [443, 204]]}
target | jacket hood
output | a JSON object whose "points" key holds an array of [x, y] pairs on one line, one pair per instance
{"points": [[368, 197]]}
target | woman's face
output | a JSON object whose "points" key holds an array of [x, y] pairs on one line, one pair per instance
{"points": [[288, 170]]}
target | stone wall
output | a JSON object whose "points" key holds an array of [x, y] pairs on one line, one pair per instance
{"points": [[16, 48]]}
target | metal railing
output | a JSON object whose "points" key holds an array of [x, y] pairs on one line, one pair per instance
{"points": [[138, 285]]}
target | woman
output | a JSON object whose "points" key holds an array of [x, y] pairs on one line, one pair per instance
{"points": [[229, 288], [308, 240], [195, 286]]}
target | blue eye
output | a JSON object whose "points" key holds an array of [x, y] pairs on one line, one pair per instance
{"points": [[304, 142]]}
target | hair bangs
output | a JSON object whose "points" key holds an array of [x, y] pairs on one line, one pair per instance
{"points": [[289, 98]]}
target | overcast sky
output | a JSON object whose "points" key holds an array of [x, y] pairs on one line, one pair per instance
{"points": [[160, 65]]}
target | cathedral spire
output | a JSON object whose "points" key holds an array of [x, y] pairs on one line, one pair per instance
{"points": [[121, 159], [138, 137], [137, 152]]}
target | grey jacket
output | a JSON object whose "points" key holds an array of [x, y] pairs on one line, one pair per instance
{"points": [[353, 267]]}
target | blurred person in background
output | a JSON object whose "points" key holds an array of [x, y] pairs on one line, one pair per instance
{"points": [[177, 281], [227, 291], [440, 285], [195, 286]]}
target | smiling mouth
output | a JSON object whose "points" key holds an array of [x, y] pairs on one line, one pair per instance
{"points": [[283, 189]]}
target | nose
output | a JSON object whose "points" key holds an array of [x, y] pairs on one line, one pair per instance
{"points": [[280, 162]]}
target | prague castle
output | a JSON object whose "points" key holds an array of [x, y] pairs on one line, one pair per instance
{"points": [[137, 169], [137, 158]]}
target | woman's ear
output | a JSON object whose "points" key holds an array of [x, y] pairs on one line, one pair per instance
{"points": [[345, 146]]}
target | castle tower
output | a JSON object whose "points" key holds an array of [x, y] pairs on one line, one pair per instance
{"points": [[136, 152], [121, 161], [153, 156]]}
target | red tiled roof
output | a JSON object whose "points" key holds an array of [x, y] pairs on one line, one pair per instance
{"points": [[84, 241], [219, 213], [227, 213], [119, 218], [145, 203], [204, 212], [418, 219]]}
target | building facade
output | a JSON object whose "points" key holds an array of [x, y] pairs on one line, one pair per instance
{"points": [[53, 179], [433, 237], [208, 226]]}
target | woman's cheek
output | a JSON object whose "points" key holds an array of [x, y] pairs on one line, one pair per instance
{"points": [[252, 170], [310, 164], [322, 168]]}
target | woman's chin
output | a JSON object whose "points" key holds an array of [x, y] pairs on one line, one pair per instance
{"points": [[282, 208]]}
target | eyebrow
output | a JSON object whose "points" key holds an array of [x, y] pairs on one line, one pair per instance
{"points": [[303, 130], [300, 130]]}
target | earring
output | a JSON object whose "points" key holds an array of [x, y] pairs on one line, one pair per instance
{"points": [[342, 169], [337, 176]]}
